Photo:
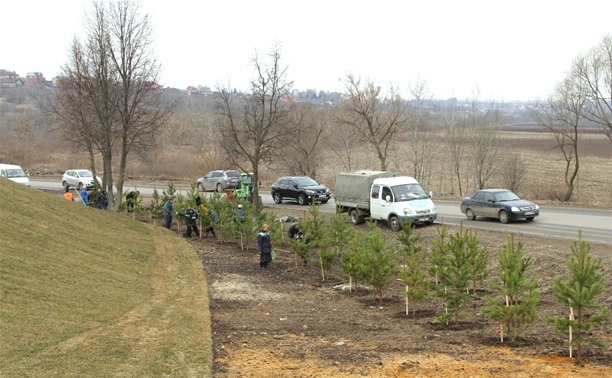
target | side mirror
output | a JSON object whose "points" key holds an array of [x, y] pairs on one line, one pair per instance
{"points": [[430, 194]]}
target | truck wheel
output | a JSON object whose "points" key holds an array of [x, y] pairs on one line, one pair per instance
{"points": [[355, 217], [394, 223]]}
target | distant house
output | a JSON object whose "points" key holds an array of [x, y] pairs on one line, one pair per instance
{"points": [[204, 90], [9, 79], [34, 79], [192, 91]]}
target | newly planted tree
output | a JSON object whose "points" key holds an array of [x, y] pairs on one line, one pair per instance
{"points": [[340, 232], [439, 253], [455, 275], [412, 271], [378, 263], [515, 307], [580, 294]]}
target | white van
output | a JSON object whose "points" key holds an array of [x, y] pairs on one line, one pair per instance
{"points": [[14, 173]]}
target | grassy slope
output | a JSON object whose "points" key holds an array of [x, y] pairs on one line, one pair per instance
{"points": [[85, 292]]}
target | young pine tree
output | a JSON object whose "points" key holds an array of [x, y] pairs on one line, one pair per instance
{"points": [[580, 293], [412, 271], [455, 276], [515, 307], [378, 262]]}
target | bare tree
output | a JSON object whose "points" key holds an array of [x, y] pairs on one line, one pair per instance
{"points": [[376, 119], [108, 99], [422, 141], [484, 147], [22, 133], [595, 70], [561, 117], [255, 126], [304, 149], [514, 173], [341, 140], [455, 137]]}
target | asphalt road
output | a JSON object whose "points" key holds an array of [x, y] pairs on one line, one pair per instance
{"points": [[562, 222]]}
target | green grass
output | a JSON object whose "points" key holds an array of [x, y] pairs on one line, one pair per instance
{"points": [[86, 292]]}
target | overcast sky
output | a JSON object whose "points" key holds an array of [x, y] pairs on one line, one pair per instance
{"points": [[505, 50]]}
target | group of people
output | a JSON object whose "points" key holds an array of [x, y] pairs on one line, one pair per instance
{"points": [[101, 200], [191, 216], [264, 244]]}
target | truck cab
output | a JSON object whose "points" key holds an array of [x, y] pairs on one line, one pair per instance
{"points": [[401, 199]]}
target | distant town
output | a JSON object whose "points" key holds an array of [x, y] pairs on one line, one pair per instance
{"points": [[10, 79]]}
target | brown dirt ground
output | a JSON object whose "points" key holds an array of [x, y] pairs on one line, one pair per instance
{"points": [[287, 322]]}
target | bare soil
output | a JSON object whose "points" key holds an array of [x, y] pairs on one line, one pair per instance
{"points": [[287, 322]]}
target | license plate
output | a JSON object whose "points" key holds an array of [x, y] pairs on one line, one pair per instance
{"points": [[322, 197], [529, 213], [423, 219]]}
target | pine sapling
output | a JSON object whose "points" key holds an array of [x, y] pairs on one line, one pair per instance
{"points": [[411, 272], [517, 307], [580, 294]]}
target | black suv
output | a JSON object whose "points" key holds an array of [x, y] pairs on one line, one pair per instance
{"points": [[302, 189]]}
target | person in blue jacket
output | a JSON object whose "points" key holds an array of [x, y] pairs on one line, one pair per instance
{"points": [[84, 196]]}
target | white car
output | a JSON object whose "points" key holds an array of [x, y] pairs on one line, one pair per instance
{"points": [[79, 178], [14, 173]]}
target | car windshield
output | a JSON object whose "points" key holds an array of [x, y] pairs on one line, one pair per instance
{"points": [[306, 181], [84, 173], [506, 196], [232, 174], [15, 173], [409, 192]]}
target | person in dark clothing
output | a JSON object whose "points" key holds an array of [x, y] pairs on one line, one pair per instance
{"points": [[295, 231], [239, 215], [265, 247], [211, 222], [191, 221], [131, 200], [102, 199], [168, 210]]}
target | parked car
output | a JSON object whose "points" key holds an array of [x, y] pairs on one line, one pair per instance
{"points": [[302, 189], [14, 173], [79, 178], [219, 180], [498, 203]]}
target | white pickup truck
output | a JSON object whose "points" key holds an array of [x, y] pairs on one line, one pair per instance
{"points": [[383, 195]]}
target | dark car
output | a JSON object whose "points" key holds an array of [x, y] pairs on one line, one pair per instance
{"points": [[219, 180], [302, 189], [502, 204]]}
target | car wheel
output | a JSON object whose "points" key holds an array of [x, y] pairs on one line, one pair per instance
{"points": [[80, 186], [470, 214], [277, 198], [219, 188], [355, 217], [503, 217], [302, 199], [201, 187], [529, 219], [394, 223], [65, 185]]}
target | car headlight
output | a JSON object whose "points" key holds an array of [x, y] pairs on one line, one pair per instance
{"points": [[408, 211], [310, 192], [537, 207], [514, 209]]}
